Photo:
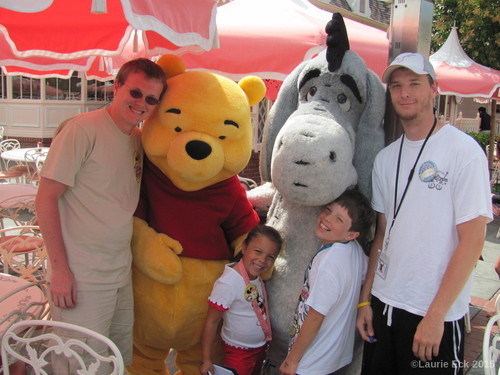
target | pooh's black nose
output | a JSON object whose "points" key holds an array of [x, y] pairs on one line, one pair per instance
{"points": [[198, 150]]}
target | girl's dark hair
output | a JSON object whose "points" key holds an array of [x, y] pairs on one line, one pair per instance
{"points": [[142, 65], [264, 230], [360, 211]]}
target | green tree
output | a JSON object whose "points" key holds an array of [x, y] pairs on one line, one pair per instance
{"points": [[477, 24]]}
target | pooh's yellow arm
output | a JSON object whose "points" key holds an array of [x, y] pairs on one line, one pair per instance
{"points": [[236, 244], [155, 254]]}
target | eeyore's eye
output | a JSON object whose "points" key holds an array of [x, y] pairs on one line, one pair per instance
{"points": [[344, 102], [312, 91]]}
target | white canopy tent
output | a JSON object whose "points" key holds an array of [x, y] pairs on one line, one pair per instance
{"points": [[458, 75]]}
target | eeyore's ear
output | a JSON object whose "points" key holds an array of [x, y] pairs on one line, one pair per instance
{"points": [[283, 107], [370, 133]]}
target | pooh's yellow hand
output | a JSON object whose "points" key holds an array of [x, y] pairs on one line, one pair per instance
{"points": [[155, 254]]}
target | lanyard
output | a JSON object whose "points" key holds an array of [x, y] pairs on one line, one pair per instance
{"points": [[410, 176], [262, 314]]}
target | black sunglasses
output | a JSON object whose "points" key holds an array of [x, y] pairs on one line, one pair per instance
{"points": [[137, 94]]}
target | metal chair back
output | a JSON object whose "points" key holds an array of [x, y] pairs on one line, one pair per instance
{"points": [[50, 347], [23, 252]]}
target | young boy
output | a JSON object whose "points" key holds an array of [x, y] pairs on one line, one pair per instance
{"points": [[322, 337]]}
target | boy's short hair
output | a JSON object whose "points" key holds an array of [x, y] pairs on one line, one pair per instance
{"points": [[360, 211]]}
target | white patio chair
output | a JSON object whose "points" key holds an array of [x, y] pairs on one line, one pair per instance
{"points": [[21, 300], [12, 175], [9, 144], [247, 183], [29, 301], [497, 304], [23, 252], [18, 211], [491, 346], [37, 175], [49, 347], [34, 159], [10, 170]]}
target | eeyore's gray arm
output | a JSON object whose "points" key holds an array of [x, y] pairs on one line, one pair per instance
{"points": [[370, 133], [283, 107]]}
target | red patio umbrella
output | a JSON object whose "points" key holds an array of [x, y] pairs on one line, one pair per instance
{"points": [[269, 38], [62, 35]]}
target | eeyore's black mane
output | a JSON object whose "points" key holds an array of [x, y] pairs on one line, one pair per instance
{"points": [[337, 42]]}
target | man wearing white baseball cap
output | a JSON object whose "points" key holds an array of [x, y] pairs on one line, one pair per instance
{"points": [[432, 196], [413, 61]]}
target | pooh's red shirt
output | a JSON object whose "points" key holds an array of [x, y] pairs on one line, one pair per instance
{"points": [[205, 222]]}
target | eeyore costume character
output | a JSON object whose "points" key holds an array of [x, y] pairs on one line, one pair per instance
{"points": [[322, 136]]}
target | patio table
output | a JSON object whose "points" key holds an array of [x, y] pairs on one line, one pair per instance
{"points": [[18, 153]]}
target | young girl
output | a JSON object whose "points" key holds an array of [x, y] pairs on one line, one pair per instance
{"points": [[239, 299]]}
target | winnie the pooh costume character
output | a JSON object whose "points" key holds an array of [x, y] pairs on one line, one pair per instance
{"points": [[193, 211]]}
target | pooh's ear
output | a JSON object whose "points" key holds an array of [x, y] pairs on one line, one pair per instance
{"points": [[254, 88], [172, 65]]}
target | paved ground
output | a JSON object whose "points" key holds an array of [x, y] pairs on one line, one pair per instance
{"points": [[485, 288]]}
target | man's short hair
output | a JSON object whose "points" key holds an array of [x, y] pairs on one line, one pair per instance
{"points": [[146, 66]]}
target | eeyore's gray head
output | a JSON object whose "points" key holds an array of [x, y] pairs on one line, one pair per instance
{"points": [[326, 126]]}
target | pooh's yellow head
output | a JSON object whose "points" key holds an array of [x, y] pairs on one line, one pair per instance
{"points": [[201, 132]]}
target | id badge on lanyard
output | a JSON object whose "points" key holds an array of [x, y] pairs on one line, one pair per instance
{"points": [[383, 261]]}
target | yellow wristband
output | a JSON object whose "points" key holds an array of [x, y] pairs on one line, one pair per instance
{"points": [[368, 303]]}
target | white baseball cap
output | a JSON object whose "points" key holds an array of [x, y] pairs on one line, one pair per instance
{"points": [[413, 61]]}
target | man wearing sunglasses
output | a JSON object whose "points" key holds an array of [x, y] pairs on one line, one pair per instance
{"points": [[86, 199]]}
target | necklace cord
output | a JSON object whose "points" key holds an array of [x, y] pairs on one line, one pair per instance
{"points": [[410, 176]]}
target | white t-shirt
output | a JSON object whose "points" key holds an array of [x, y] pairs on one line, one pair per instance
{"points": [[450, 186], [102, 168], [331, 287], [241, 327]]}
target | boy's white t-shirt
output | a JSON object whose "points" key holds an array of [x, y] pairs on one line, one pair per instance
{"points": [[335, 280]]}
